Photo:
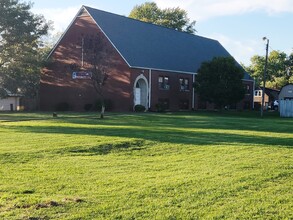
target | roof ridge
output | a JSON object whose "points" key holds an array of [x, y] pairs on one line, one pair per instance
{"points": [[149, 23]]}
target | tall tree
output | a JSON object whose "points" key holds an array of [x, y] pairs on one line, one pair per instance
{"points": [[219, 81], [96, 53], [20, 53], [174, 18], [279, 69], [95, 63]]}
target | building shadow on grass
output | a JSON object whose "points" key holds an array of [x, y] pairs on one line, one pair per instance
{"points": [[163, 132]]}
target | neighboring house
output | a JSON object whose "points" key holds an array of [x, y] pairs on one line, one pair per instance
{"points": [[11, 102], [147, 64], [286, 92], [270, 96], [286, 101]]}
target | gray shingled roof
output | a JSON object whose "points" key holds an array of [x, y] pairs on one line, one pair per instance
{"points": [[150, 46]]}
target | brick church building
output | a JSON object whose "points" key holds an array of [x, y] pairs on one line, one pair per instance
{"points": [[146, 64]]}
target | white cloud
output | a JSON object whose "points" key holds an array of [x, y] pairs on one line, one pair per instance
{"points": [[61, 17], [242, 51], [202, 10]]}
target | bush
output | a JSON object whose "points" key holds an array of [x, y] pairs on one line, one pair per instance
{"points": [[160, 107], [88, 107], [139, 108], [62, 107], [108, 105]]}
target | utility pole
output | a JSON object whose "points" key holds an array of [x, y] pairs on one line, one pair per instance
{"points": [[264, 77], [82, 51]]}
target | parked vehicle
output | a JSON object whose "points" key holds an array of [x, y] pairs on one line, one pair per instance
{"points": [[276, 105]]}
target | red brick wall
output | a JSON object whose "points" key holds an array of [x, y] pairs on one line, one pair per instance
{"points": [[173, 94], [57, 85]]}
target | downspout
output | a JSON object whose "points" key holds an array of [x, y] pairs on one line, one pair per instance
{"points": [[193, 90], [150, 87], [253, 94]]}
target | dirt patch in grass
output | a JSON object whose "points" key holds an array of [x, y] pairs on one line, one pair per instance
{"points": [[105, 149], [47, 204], [77, 200]]}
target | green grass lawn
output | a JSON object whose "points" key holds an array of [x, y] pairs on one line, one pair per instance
{"points": [[146, 166]]}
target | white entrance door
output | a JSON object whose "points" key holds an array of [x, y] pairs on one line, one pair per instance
{"points": [[137, 96], [140, 91]]}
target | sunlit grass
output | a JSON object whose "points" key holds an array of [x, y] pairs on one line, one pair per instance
{"points": [[145, 166]]}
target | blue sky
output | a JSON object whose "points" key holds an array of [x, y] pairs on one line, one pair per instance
{"points": [[239, 25]]}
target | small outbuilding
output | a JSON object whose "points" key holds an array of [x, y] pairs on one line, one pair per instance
{"points": [[10, 102], [286, 101]]}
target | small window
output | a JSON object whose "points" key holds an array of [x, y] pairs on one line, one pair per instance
{"points": [[164, 82], [184, 84], [257, 93]]}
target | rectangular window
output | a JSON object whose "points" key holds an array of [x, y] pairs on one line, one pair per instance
{"points": [[164, 82], [184, 84]]}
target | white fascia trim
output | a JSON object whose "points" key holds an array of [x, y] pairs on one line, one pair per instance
{"points": [[69, 26], [108, 38], [163, 70]]}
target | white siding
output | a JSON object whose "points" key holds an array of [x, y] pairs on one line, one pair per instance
{"points": [[7, 102], [286, 108]]}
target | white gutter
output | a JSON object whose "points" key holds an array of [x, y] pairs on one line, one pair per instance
{"points": [[193, 90], [150, 87], [163, 70]]}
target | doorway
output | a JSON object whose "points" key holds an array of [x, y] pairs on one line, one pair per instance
{"points": [[141, 91]]}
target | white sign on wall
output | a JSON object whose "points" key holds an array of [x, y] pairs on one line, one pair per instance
{"points": [[82, 75]]}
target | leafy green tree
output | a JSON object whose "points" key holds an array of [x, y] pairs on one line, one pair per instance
{"points": [[96, 54], [96, 62], [174, 18], [289, 69], [219, 81], [21, 56], [279, 69]]}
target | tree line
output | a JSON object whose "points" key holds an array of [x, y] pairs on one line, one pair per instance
{"points": [[279, 69]]}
